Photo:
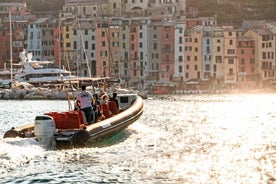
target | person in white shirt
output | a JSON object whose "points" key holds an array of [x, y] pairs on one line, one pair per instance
{"points": [[85, 97]]}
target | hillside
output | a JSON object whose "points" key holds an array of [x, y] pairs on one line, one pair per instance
{"points": [[227, 11], [234, 11], [40, 5]]}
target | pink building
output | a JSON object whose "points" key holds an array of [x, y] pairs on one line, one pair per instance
{"points": [[167, 52], [102, 51], [134, 52], [247, 67]]}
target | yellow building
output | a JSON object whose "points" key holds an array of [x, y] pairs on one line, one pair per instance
{"points": [[196, 54]]}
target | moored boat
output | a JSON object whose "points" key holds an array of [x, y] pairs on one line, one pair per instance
{"points": [[69, 129], [38, 73]]}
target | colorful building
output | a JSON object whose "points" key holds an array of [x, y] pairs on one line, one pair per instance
{"points": [[247, 66]]}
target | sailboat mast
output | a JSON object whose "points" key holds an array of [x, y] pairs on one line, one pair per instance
{"points": [[11, 45]]}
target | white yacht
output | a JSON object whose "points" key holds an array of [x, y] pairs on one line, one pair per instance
{"points": [[37, 72]]}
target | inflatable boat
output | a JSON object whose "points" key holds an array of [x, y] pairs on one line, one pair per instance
{"points": [[56, 130]]}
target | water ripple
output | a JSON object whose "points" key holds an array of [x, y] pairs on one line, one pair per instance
{"points": [[179, 139]]}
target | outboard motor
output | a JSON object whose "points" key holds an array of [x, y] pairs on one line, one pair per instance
{"points": [[44, 130]]}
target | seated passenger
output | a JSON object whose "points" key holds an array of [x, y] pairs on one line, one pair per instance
{"points": [[114, 98]]}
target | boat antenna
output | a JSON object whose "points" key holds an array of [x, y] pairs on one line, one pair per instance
{"points": [[11, 62], [67, 95]]}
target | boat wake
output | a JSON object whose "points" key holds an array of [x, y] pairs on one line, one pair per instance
{"points": [[16, 152]]}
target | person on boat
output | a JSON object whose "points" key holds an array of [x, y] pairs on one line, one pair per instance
{"points": [[104, 103], [95, 103], [104, 99], [85, 99], [77, 105], [114, 98]]}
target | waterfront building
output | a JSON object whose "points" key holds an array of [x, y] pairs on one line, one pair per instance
{"points": [[196, 57], [18, 21], [230, 55], [47, 28], [117, 39], [19, 26], [167, 30], [264, 54], [125, 46], [247, 66], [188, 54], [102, 49], [83, 60], [134, 51], [154, 50], [179, 52], [207, 53], [40, 39], [143, 51], [66, 49], [114, 46], [217, 56]]}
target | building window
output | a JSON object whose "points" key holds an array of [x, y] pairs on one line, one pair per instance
{"points": [[180, 58], [155, 46], [242, 61], [86, 44], [68, 44], [180, 69], [231, 61], [230, 51], [231, 71], [207, 67]]}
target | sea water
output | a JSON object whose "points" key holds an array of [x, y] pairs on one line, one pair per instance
{"points": [[179, 139]]}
